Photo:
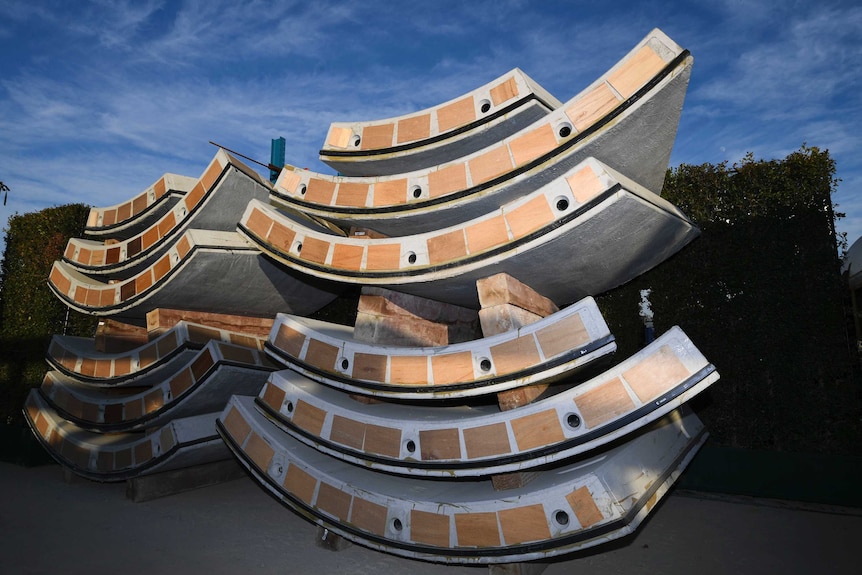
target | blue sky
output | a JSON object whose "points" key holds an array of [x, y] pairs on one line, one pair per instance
{"points": [[99, 98]]}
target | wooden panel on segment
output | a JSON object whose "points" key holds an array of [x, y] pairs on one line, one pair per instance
{"points": [[456, 114], [144, 281], [122, 366], [515, 354], [281, 237], [84, 256], [208, 179], [148, 355], [352, 194], [487, 234], [523, 524], [383, 257], [154, 400], [537, 430], [440, 444], [160, 188], [143, 451], [150, 237], [127, 290], [592, 106], [181, 382], [259, 451], [167, 344], [60, 281], [319, 191], [377, 137], [414, 128], [333, 501], [314, 250], [368, 516], [408, 370], [533, 144], [166, 224], [339, 137], [103, 368], [390, 192], [347, 257], [308, 417], [194, 196], [369, 366], [452, 368], [584, 506], [605, 402], [561, 336], [258, 223], [112, 255], [530, 217], [161, 268], [109, 218], [300, 483], [322, 355], [447, 179], [123, 459], [237, 354], [429, 528], [447, 247], [636, 72], [491, 164], [486, 441], [383, 440], [273, 396], [124, 212], [167, 440], [585, 184], [504, 91], [139, 203], [202, 364], [656, 374], [201, 334], [134, 409], [184, 246], [289, 340], [289, 181], [347, 432], [477, 529]]}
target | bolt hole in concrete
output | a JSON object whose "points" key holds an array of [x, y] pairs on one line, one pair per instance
{"points": [[302, 190], [356, 140], [486, 105], [290, 407], [562, 204], [417, 191], [411, 258], [573, 421], [565, 131], [411, 446], [485, 364], [561, 517]]}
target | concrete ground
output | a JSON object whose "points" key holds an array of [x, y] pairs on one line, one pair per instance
{"points": [[51, 526]]}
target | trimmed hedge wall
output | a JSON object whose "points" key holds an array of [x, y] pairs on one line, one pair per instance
{"points": [[29, 312], [761, 295]]}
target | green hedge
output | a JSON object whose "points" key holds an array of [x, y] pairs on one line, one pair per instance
{"points": [[761, 295], [29, 312]]}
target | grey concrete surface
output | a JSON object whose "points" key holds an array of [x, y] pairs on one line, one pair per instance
{"points": [[50, 526]]}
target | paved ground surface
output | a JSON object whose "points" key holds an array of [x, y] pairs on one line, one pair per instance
{"points": [[50, 526]]}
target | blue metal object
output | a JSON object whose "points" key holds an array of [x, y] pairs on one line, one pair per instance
{"points": [[276, 157]]}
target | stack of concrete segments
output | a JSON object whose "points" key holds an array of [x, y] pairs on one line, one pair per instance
{"points": [[94, 405], [474, 413]]}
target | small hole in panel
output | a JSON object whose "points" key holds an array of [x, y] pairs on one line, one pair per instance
{"points": [[564, 130], [397, 525], [302, 189], [484, 105], [356, 140], [344, 363], [562, 204], [416, 192], [573, 420], [411, 258], [561, 517], [290, 407], [485, 364], [298, 247], [411, 446]]}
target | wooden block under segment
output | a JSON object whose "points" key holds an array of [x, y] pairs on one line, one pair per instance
{"points": [[162, 319], [502, 288]]}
